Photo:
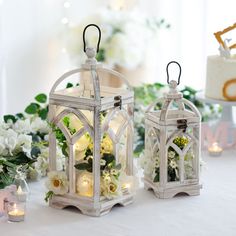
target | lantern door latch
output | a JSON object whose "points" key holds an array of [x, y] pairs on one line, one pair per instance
{"points": [[117, 101], [182, 124]]}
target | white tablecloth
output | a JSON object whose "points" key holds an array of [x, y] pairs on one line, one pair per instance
{"points": [[211, 213]]}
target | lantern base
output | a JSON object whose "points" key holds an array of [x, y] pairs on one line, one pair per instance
{"points": [[164, 193], [86, 206]]}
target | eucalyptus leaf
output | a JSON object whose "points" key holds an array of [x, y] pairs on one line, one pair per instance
{"points": [[12, 118], [43, 113], [20, 116], [69, 85], [32, 108], [82, 166], [41, 98]]}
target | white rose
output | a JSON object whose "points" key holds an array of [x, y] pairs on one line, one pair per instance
{"points": [[22, 126]]}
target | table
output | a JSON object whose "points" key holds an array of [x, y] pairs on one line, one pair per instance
{"points": [[211, 213]]}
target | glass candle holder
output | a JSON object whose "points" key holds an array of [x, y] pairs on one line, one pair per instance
{"points": [[215, 149], [16, 212], [22, 188]]}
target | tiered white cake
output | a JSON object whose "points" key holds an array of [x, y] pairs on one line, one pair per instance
{"points": [[221, 78]]}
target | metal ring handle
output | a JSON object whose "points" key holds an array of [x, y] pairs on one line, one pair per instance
{"points": [[99, 36], [167, 71]]}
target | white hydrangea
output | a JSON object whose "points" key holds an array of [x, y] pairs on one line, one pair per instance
{"points": [[25, 142], [22, 126], [41, 165], [10, 140], [39, 125], [3, 150]]}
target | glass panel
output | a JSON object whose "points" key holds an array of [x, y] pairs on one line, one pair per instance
{"points": [[83, 150], [72, 123], [189, 163], [172, 165], [110, 169], [151, 161], [77, 85], [180, 148], [189, 158]]}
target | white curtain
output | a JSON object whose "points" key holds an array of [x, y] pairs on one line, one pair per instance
{"points": [[31, 56]]}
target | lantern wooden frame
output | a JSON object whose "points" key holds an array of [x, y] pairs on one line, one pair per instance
{"points": [[116, 100], [168, 123]]}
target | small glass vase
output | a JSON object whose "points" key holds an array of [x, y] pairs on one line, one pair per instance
{"points": [[22, 188]]}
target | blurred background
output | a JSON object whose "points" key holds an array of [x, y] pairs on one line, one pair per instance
{"points": [[41, 39]]}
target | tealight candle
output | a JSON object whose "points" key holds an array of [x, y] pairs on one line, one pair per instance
{"points": [[215, 149], [126, 187], [16, 213], [85, 185]]}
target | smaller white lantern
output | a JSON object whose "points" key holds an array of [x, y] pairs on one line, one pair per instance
{"points": [[172, 144]]}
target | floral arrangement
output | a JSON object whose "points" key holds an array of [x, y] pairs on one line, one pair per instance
{"points": [[113, 177], [151, 164], [24, 142], [118, 28]]}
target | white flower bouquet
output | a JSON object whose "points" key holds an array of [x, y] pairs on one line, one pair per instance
{"points": [[23, 142]]}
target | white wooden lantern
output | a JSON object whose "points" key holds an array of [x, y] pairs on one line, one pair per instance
{"points": [[172, 144], [97, 123]]}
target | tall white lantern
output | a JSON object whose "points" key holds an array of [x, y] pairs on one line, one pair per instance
{"points": [[94, 126], [172, 144]]}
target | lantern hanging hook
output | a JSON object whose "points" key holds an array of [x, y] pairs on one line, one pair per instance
{"points": [[99, 36], [167, 71]]}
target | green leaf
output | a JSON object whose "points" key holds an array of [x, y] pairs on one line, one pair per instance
{"points": [[32, 108], [66, 121], [43, 113], [69, 85], [156, 179], [118, 167], [139, 148], [101, 55], [20, 116], [48, 196], [35, 151], [82, 166], [109, 158], [41, 98], [9, 117], [64, 149]]}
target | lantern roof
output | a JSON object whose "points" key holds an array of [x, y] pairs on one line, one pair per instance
{"points": [[93, 88], [172, 107]]}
